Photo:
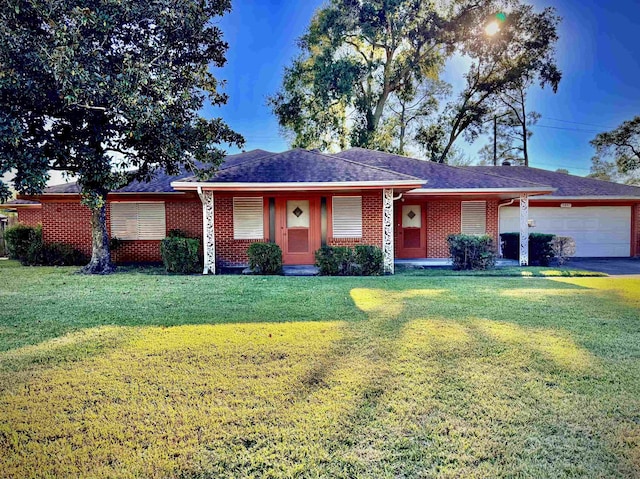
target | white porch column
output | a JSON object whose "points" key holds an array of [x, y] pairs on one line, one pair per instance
{"points": [[387, 231], [524, 229], [208, 233]]}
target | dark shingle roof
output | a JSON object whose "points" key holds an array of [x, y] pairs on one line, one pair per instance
{"points": [[437, 175], [304, 166], [566, 185], [161, 183]]}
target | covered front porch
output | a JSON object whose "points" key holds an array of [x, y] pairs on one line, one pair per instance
{"points": [[424, 219]]}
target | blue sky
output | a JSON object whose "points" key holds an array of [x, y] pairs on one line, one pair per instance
{"points": [[598, 52]]}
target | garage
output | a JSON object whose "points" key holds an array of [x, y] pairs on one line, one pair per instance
{"points": [[599, 231]]}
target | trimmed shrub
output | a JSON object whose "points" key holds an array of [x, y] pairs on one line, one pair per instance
{"points": [[180, 255], [540, 247], [19, 240], [370, 260], [25, 244], [326, 261], [471, 252], [336, 261], [62, 254], [363, 260], [563, 248], [177, 233], [265, 258]]}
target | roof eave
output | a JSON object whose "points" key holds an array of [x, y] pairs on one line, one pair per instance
{"points": [[297, 186], [463, 191], [588, 198]]}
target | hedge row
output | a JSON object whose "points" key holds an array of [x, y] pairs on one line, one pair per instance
{"points": [[24, 243]]}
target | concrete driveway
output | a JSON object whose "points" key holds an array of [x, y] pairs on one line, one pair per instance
{"points": [[611, 266]]}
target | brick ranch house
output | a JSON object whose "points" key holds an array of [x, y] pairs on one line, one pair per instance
{"points": [[304, 199]]}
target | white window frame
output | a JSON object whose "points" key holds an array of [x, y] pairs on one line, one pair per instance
{"points": [[248, 224], [478, 223], [138, 221], [344, 223]]}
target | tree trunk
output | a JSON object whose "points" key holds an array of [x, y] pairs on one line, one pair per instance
{"points": [[403, 129], [495, 140], [525, 151], [101, 254]]}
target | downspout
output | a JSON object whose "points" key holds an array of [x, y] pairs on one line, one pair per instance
{"points": [[512, 201]]}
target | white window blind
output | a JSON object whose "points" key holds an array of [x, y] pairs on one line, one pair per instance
{"points": [[138, 221], [347, 216], [474, 218], [248, 218]]}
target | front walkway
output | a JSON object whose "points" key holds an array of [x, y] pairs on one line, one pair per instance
{"points": [[422, 263]]}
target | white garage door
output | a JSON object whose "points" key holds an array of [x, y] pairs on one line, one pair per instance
{"points": [[598, 230]]}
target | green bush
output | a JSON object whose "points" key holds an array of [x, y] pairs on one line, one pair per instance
{"points": [[540, 247], [177, 233], [363, 260], [62, 254], [471, 252], [19, 240], [337, 261], [326, 261], [370, 260], [26, 245], [180, 255], [265, 258]]}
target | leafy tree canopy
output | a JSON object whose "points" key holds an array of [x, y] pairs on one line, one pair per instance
{"points": [[109, 91], [503, 67], [362, 63], [621, 145]]}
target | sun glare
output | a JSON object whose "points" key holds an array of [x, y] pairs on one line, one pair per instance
{"points": [[492, 28]]}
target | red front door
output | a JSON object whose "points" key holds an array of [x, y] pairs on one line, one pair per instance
{"points": [[298, 229], [411, 240]]}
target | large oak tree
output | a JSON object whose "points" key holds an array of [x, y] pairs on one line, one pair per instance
{"points": [[503, 66], [108, 91], [362, 62]]}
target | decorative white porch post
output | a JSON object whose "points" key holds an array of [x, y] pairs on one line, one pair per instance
{"points": [[524, 229], [387, 230], [208, 233]]}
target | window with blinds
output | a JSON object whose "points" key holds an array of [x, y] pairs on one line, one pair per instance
{"points": [[474, 218], [347, 216], [138, 221], [248, 218]]}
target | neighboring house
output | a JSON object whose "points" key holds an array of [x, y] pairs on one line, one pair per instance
{"points": [[303, 199]]}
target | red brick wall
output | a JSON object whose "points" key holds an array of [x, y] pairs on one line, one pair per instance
{"points": [[493, 228], [444, 218], [182, 215], [229, 251], [371, 223], [30, 216], [69, 222]]}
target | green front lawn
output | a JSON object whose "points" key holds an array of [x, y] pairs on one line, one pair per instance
{"points": [[141, 374]]}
